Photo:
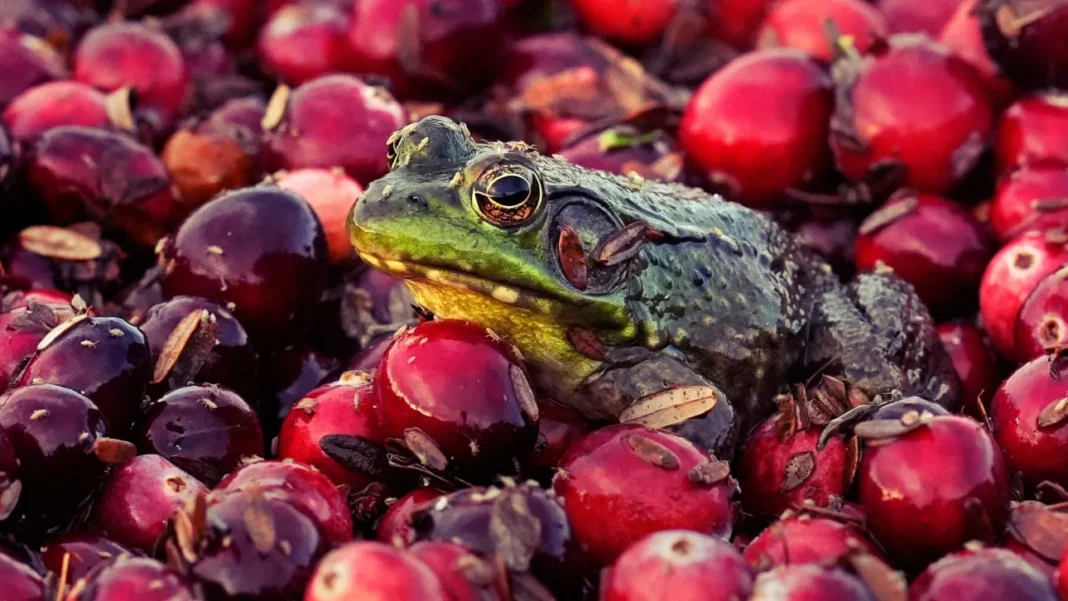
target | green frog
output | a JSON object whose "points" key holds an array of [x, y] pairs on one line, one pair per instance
{"points": [[635, 300]]}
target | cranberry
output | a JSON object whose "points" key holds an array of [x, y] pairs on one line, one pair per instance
{"points": [[19, 582], [86, 551], [260, 252], [104, 358], [58, 21], [781, 100], [736, 22], [463, 575], [204, 164], [801, 24], [205, 430], [1038, 533], [196, 340], [631, 23], [681, 565], [641, 480], [975, 362], [26, 61], [396, 525], [53, 104], [972, 575], [334, 121], [241, 17], [931, 484], [804, 539], [75, 259], [962, 34], [558, 428], [1010, 278], [936, 245], [10, 485], [368, 358], [134, 579], [1030, 198], [21, 330], [1062, 576], [7, 158], [139, 497], [241, 120], [810, 583], [373, 571], [1027, 40], [625, 150], [936, 136], [331, 195], [303, 41], [292, 373], [107, 176], [912, 16], [425, 48], [1043, 321], [300, 485], [479, 419], [21, 299], [334, 429], [1028, 418], [1031, 132], [116, 55]]}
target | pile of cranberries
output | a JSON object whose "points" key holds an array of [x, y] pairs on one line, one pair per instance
{"points": [[206, 396]]}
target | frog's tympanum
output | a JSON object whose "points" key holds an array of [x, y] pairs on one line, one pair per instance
{"points": [[616, 290]]}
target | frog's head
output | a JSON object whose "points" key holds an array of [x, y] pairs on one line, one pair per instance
{"points": [[476, 228]]}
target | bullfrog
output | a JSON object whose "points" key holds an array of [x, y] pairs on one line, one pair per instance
{"points": [[631, 298]]}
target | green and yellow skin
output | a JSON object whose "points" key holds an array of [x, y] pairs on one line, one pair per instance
{"points": [[615, 289]]}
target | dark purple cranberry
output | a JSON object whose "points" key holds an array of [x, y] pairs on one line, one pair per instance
{"points": [[249, 547], [298, 484], [60, 22], [291, 374], [139, 497], [1027, 39], [195, 340], [87, 550], [10, 485], [74, 259], [18, 582], [134, 579], [980, 574], [376, 305], [104, 358], [259, 252], [26, 61], [624, 150], [198, 30], [205, 430], [395, 527], [558, 428], [976, 363], [105, 175], [241, 120], [7, 159]]}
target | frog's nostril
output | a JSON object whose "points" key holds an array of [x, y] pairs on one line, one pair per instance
{"points": [[418, 201]]}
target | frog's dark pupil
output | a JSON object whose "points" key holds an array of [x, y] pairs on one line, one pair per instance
{"points": [[509, 191]]}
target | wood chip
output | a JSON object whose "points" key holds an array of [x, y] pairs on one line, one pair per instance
{"points": [[798, 469], [671, 406], [523, 393], [710, 473], [176, 343], [652, 452], [888, 214], [60, 330], [425, 449], [119, 107], [1054, 413], [276, 108], [59, 243], [113, 451], [1043, 531]]}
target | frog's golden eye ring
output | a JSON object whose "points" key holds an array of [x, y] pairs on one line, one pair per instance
{"points": [[508, 195]]}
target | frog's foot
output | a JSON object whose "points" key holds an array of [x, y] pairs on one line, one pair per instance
{"points": [[880, 337], [662, 392]]}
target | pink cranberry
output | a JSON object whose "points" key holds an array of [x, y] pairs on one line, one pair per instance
{"points": [[911, 16], [681, 565], [463, 575], [1028, 414], [134, 579], [86, 551], [54, 104], [972, 575], [298, 484], [139, 497], [810, 583], [641, 480], [331, 194], [962, 34], [19, 582], [1031, 131], [1030, 198], [801, 24], [26, 61], [303, 41], [396, 525], [934, 244], [373, 571], [805, 539], [759, 126], [975, 361], [334, 121], [242, 18], [633, 23], [291, 374], [736, 22]]}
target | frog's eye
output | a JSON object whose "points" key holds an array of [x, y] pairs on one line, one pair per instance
{"points": [[507, 195]]}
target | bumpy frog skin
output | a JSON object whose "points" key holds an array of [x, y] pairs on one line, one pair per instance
{"points": [[616, 289]]}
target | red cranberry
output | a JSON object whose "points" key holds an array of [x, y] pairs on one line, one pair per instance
{"points": [[86, 551], [1027, 40], [1031, 132], [972, 575], [108, 176], [632, 23], [913, 16], [331, 195], [134, 579], [736, 22], [196, 340], [558, 428], [1038, 533], [21, 330], [21, 299], [116, 55], [396, 525], [104, 358], [1062, 576], [810, 583], [936, 245], [781, 100], [1010, 278], [330, 427], [1043, 321], [456, 44], [241, 120], [19, 582], [962, 34], [1028, 417], [139, 497], [478, 419], [641, 480], [625, 150], [931, 484], [204, 164], [1030, 198], [975, 362], [300, 485], [936, 136], [801, 24], [205, 430], [292, 373], [373, 571], [26, 61], [681, 565], [463, 575], [804, 539], [54, 104], [303, 41], [260, 252], [334, 121]]}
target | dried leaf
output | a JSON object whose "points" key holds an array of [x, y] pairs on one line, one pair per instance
{"points": [[889, 213], [113, 451], [356, 454], [515, 531], [881, 429], [671, 406], [259, 523], [276, 108], [1054, 413], [588, 343], [852, 461], [37, 317], [710, 473], [60, 330], [798, 470], [176, 343], [623, 245], [523, 393], [59, 243], [653, 452], [425, 449], [573, 259], [119, 108], [1043, 531]]}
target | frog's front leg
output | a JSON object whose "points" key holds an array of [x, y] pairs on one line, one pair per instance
{"points": [[661, 391]]}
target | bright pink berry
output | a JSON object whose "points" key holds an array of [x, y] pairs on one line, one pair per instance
{"points": [[373, 571]]}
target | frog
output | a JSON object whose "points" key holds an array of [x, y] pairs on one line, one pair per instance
{"points": [[634, 300]]}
